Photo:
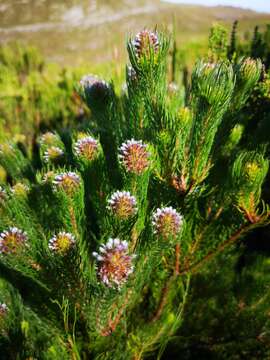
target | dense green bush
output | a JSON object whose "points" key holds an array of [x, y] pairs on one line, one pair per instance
{"points": [[229, 316], [117, 235]]}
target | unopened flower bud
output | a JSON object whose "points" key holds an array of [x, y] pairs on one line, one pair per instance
{"points": [[95, 90], [20, 189], [145, 42], [49, 139], [248, 68]]}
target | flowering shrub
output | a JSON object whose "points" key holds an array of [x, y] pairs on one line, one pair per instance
{"points": [[113, 231]]}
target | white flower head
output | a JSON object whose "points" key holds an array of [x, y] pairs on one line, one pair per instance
{"points": [[62, 242]]}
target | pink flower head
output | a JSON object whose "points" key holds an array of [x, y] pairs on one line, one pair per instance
{"points": [[167, 222], [11, 240], [144, 41], [86, 148], [69, 182], [114, 263], [134, 156], [122, 204]]}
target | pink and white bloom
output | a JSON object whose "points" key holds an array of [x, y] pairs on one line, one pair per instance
{"points": [[122, 204], [167, 222], [86, 148], [134, 156], [68, 182], [12, 239], [114, 263], [144, 41]]}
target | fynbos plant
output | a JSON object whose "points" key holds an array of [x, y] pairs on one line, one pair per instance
{"points": [[99, 253]]}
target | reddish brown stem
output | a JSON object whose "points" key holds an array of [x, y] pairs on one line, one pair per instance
{"points": [[73, 220], [194, 267], [166, 288], [112, 324], [177, 259], [211, 254], [163, 299]]}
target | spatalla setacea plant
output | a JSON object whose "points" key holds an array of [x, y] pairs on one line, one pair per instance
{"points": [[97, 256]]}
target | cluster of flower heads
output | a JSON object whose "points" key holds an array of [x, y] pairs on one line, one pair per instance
{"points": [[167, 222], [68, 182], [144, 42], [122, 204], [86, 148], [134, 156], [114, 263], [53, 153], [11, 240], [62, 242], [3, 309]]}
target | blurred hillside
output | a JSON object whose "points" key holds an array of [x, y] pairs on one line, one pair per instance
{"points": [[74, 32]]}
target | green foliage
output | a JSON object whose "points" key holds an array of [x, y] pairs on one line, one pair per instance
{"points": [[31, 99], [227, 317], [218, 39], [144, 172]]}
